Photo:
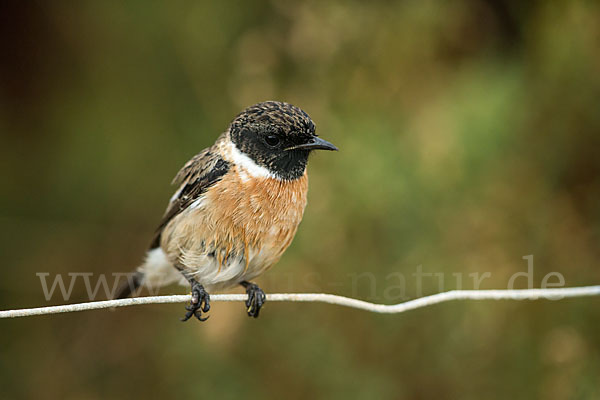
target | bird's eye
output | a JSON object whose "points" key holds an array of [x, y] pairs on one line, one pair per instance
{"points": [[272, 140]]}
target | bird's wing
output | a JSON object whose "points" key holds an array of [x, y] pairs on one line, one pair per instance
{"points": [[197, 175]]}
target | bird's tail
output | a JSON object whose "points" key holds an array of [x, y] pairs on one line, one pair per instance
{"points": [[130, 286], [155, 272]]}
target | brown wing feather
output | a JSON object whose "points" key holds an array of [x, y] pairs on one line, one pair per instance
{"points": [[197, 175]]}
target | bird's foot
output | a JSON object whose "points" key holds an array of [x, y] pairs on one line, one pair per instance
{"points": [[200, 303], [256, 298]]}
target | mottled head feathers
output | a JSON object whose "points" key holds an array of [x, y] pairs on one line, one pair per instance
{"points": [[277, 136]]}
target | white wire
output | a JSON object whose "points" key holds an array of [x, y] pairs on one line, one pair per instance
{"points": [[516, 294]]}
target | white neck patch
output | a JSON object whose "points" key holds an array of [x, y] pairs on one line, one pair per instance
{"points": [[247, 165]]}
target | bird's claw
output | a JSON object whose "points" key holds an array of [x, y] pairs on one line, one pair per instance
{"points": [[256, 300], [200, 303]]}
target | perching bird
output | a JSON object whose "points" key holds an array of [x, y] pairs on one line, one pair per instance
{"points": [[237, 208]]}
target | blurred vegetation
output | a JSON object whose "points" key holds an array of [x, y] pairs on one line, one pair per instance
{"points": [[470, 137]]}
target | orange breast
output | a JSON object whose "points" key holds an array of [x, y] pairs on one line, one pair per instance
{"points": [[260, 211], [241, 216]]}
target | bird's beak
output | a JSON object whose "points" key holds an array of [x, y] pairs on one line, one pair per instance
{"points": [[315, 143]]}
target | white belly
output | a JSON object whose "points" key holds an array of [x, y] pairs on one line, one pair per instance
{"points": [[158, 271]]}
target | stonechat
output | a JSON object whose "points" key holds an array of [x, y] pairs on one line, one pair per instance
{"points": [[237, 208]]}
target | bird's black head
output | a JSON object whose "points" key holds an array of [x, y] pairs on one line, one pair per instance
{"points": [[277, 136]]}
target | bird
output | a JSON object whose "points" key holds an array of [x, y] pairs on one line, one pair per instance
{"points": [[236, 210]]}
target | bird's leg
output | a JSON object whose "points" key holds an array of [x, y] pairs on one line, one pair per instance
{"points": [[256, 298], [200, 298], [200, 302]]}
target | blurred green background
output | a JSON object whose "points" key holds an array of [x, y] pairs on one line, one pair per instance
{"points": [[469, 136]]}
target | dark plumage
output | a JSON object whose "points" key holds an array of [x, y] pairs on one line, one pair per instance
{"points": [[265, 130], [194, 182]]}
